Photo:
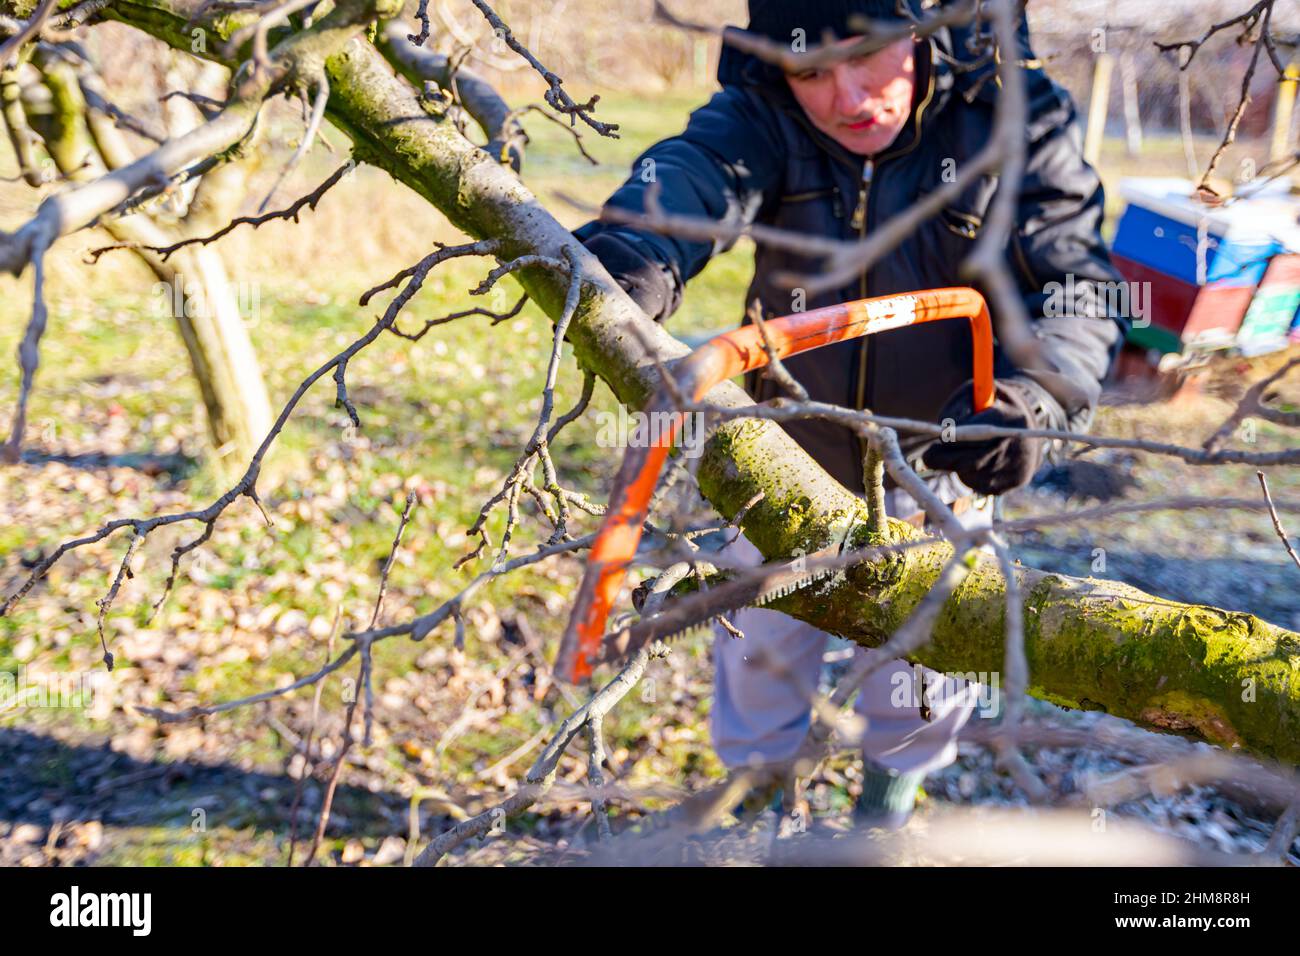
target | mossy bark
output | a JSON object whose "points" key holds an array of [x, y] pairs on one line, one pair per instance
{"points": [[1229, 677]]}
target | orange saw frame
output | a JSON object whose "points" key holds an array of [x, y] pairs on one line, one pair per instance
{"points": [[719, 359]]}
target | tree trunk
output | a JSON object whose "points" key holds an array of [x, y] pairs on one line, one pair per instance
{"points": [[197, 292], [210, 314]]}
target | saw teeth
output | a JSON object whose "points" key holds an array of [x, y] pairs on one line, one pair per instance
{"points": [[700, 627], [706, 625], [691, 630], [791, 586]]}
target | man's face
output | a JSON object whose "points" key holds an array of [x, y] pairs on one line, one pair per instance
{"points": [[862, 103]]}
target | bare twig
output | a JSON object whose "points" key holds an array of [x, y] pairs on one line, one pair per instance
{"points": [[559, 100], [9, 49], [290, 212], [1277, 522]]}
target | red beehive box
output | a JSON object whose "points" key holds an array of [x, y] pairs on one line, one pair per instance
{"points": [[1216, 316], [1168, 300]]}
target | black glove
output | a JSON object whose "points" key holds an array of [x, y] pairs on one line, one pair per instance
{"points": [[649, 282], [997, 465]]}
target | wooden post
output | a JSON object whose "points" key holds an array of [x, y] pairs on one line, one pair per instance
{"points": [[1283, 107], [1098, 107], [1185, 122], [700, 55], [1132, 115]]}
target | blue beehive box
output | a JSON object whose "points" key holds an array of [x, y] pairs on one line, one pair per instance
{"points": [[1214, 256], [1165, 229]]}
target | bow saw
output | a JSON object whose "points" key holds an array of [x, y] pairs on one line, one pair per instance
{"points": [[730, 354]]}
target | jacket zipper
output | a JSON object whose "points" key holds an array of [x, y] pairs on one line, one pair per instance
{"points": [[967, 226], [859, 220], [859, 224], [864, 190]]}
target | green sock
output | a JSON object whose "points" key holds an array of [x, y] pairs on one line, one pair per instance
{"points": [[887, 792]]}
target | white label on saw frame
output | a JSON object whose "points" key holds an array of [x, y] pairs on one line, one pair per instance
{"points": [[889, 313]]}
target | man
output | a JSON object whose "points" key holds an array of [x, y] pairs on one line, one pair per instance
{"points": [[837, 152]]}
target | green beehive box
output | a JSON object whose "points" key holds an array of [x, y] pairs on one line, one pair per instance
{"points": [[1271, 312]]}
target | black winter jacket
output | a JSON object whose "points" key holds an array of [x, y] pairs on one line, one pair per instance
{"points": [[751, 155]]}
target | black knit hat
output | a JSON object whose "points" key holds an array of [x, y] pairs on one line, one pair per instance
{"points": [[779, 19]]}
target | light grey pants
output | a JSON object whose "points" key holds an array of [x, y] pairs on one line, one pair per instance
{"points": [[763, 698]]}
